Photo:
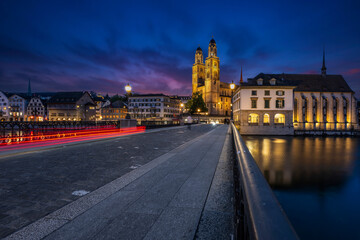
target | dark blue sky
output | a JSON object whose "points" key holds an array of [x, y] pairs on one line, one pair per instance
{"points": [[103, 45]]}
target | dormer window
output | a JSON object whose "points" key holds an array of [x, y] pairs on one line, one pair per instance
{"points": [[260, 81], [272, 81]]}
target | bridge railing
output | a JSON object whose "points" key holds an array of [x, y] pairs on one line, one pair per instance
{"points": [[258, 213]]}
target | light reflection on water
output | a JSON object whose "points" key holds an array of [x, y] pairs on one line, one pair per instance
{"points": [[316, 180]]}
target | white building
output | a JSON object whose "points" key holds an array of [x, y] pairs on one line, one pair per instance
{"points": [[4, 107], [264, 106], [153, 107], [35, 110], [17, 108], [311, 103]]}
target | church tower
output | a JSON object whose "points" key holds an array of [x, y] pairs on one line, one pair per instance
{"points": [[198, 70], [212, 79]]}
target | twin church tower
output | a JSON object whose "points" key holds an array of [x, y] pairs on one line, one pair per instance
{"points": [[206, 80]]}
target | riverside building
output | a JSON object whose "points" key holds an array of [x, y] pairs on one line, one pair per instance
{"points": [[154, 107], [298, 104]]}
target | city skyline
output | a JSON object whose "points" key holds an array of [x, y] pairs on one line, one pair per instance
{"points": [[66, 46]]}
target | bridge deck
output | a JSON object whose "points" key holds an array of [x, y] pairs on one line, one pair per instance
{"points": [[182, 194]]}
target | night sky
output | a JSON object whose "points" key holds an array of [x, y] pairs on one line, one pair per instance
{"points": [[103, 45]]}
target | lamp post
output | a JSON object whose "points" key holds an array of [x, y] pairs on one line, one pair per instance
{"points": [[181, 112], [232, 87], [198, 115], [128, 89], [128, 92]]}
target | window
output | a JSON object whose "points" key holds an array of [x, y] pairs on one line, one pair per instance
{"points": [[266, 119], [280, 93], [279, 118], [253, 103], [253, 93], [267, 93], [267, 103], [253, 119], [280, 103]]}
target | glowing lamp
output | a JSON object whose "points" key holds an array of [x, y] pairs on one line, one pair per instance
{"points": [[181, 105], [128, 88], [232, 85], [198, 110]]}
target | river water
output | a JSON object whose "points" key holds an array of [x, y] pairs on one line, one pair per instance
{"points": [[316, 180]]}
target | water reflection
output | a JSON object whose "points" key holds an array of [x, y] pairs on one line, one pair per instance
{"points": [[316, 180]]}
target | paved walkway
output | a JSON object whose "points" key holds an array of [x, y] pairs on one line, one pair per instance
{"points": [[165, 199]]}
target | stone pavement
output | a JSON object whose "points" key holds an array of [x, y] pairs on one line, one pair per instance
{"points": [[174, 196], [32, 185]]}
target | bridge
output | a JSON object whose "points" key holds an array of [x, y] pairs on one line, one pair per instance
{"points": [[169, 183]]}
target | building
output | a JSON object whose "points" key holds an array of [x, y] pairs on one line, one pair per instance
{"points": [[4, 107], [153, 107], [114, 111], [206, 80], [264, 105], [35, 110], [319, 103], [71, 106], [99, 101], [17, 107]]}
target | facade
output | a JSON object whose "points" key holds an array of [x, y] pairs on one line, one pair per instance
{"points": [[4, 107], [313, 104], [264, 106], [71, 106], [153, 107], [99, 101], [114, 111], [35, 110], [17, 107], [206, 80]]}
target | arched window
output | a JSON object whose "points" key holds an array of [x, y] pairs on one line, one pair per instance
{"points": [[279, 118], [253, 119], [266, 119]]}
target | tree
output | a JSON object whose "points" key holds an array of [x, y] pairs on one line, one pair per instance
{"points": [[195, 103]]}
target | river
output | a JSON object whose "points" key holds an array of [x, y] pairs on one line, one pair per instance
{"points": [[316, 180]]}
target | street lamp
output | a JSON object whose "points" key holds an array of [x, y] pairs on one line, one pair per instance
{"points": [[198, 115], [128, 89], [181, 112], [232, 87]]}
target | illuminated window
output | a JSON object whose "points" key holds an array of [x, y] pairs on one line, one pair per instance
{"points": [[253, 118], [279, 118], [266, 119]]}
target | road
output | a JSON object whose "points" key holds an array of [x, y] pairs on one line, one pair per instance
{"points": [[35, 184]]}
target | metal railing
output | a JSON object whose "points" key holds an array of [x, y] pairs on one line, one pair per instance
{"points": [[258, 213]]}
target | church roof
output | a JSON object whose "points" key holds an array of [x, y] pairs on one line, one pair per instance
{"points": [[212, 40], [199, 49], [304, 82]]}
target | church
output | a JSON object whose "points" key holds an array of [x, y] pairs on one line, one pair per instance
{"points": [[206, 80]]}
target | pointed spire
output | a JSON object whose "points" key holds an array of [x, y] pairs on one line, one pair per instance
{"points": [[323, 69], [241, 77], [29, 89]]}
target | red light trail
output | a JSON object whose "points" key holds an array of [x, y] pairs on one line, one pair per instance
{"points": [[24, 142]]}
